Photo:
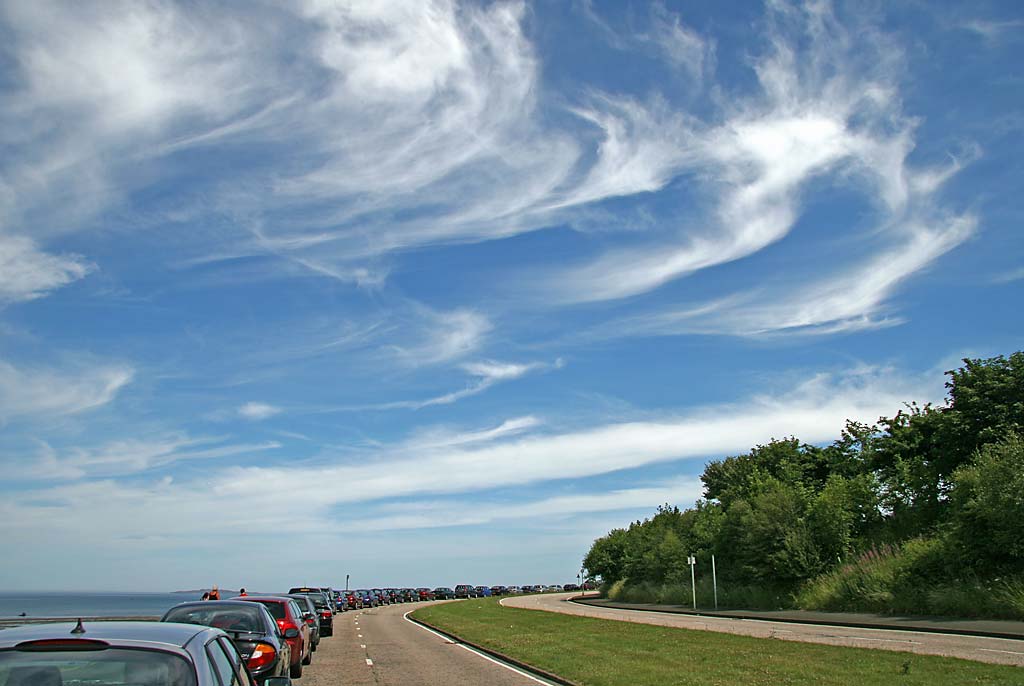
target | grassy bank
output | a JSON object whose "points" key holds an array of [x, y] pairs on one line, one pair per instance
{"points": [[598, 652]]}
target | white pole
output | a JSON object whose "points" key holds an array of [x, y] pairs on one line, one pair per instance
{"points": [[714, 580], [693, 580]]}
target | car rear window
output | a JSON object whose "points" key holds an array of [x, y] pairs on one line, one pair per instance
{"points": [[227, 618], [108, 667], [276, 609]]}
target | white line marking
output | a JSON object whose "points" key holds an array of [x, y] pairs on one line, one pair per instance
{"points": [[359, 635], [369, 662], [362, 645], [476, 652], [1008, 652]]}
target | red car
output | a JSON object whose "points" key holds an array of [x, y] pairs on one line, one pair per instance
{"points": [[288, 616]]}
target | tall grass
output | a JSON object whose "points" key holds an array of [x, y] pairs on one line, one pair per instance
{"points": [[730, 596], [912, 579]]}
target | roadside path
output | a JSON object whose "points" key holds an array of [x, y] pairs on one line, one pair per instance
{"points": [[994, 650]]}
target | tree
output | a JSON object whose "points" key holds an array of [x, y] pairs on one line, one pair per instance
{"points": [[988, 506]]}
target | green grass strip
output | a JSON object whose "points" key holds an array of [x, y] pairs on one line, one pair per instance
{"points": [[602, 652]]}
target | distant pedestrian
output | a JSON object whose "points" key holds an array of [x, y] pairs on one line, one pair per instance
{"points": [[214, 593], [241, 592], [206, 595]]}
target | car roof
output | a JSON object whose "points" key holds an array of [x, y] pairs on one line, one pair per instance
{"points": [[261, 598], [214, 604], [137, 634]]}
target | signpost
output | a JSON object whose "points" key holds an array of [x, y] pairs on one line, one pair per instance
{"points": [[714, 580], [346, 582], [692, 561]]}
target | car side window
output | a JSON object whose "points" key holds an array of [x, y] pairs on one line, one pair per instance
{"points": [[295, 610], [236, 661], [222, 664]]}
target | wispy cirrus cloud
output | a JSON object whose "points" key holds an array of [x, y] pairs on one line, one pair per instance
{"points": [[27, 273], [432, 515], [37, 392], [131, 456]]}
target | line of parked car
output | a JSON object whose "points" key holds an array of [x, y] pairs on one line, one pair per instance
{"points": [[249, 640]]}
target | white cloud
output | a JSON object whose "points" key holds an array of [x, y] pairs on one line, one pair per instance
{"points": [[683, 492], [815, 411], [1009, 276], [27, 273], [44, 393], [130, 456], [257, 411], [446, 336]]}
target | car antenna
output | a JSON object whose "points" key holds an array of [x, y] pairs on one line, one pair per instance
{"points": [[79, 629]]}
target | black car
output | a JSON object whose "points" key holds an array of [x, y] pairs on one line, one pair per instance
{"points": [[498, 590], [324, 608], [465, 591], [444, 593], [370, 598], [123, 652], [251, 628]]}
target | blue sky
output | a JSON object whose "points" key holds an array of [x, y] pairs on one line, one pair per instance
{"points": [[437, 293]]}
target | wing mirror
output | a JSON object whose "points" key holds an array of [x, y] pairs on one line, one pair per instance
{"points": [[291, 633]]}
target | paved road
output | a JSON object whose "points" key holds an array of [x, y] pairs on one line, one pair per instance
{"points": [[996, 650], [379, 647]]}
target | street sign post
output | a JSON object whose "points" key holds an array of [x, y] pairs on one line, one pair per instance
{"points": [[692, 561]]}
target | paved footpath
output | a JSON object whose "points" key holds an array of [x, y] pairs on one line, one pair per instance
{"points": [[379, 647], [996, 650]]}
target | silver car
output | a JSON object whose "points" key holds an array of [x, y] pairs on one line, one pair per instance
{"points": [[109, 653]]}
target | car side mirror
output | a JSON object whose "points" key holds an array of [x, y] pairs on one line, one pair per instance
{"points": [[291, 633], [277, 681]]}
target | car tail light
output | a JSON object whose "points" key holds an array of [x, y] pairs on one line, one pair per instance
{"points": [[311, 620], [281, 623], [262, 655], [326, 614]]}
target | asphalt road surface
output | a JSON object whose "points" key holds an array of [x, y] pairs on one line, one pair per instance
{"points": [[379, 647], [996, 650]]}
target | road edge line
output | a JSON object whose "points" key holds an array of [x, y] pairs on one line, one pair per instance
{"points": [[498, 658]]}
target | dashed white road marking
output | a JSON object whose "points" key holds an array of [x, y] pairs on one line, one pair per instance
{"points": [[362, 645], [369, 662], [359, 635], [993, 650]]}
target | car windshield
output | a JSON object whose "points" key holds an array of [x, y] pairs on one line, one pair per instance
{"points": [[227, 618], [110, 667]]}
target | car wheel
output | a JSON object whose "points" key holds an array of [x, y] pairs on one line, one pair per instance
{"points": [[296, 670], [309, 657]]}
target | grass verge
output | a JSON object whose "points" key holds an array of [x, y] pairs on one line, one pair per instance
{"points": [[600, 652]]}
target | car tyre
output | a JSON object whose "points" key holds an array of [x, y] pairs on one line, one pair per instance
{"points": [[309, 657], [296, 670]]}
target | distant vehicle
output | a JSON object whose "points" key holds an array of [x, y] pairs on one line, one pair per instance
{"points": [[253, 631], [310, 616], [570, 587], [288, 616], [350, 600], [513, 590], [410, 594], [444, 593], [589, 585], [137, 652], [369, 598], [483, 591], [425, 593], [382, 597], [465, 591], [498, 590]]}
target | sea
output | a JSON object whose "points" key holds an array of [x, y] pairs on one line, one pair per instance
{"points": [[41, 605]]}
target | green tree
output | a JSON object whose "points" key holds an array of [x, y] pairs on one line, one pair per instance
{"points": [[988, 506]]}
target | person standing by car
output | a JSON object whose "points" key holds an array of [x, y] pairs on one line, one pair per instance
{"points": [[214, 593], [241, 592]]}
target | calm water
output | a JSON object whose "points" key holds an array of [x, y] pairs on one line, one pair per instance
{"points": [[89, 604]]}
